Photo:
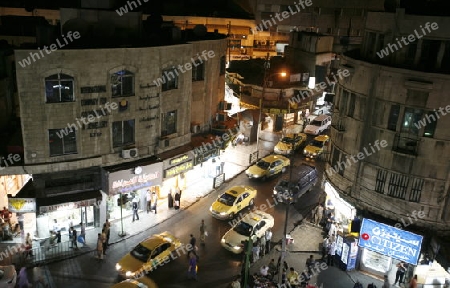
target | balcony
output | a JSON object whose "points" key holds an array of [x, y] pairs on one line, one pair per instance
{"points": [[405, 145]]}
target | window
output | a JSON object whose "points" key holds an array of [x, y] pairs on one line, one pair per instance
{"points": [[411, 54], [380, 43], [380, 181], [59, 88], [343, 103], [222, 65], [198, 71], [412, 116], [169, 123], [62, 141], [123, 133], [122, 83], [170, 79], [416, 190], [370, 43], [429, 52], [430, 126], [351, 106], [397, 186], [393, 117]]}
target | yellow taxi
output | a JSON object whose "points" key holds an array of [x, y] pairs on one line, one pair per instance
{"points": [[289, 143], [141, 282], [148, 255], [232, 201], [315, 148], [268, 166]]}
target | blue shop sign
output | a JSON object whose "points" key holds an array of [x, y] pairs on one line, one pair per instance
{"points": [[390, 241]]}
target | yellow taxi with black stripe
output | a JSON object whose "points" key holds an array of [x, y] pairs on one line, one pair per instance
{"points": [[268, 167], [232, 201], [315, 148], [141, 282], [289, 143], [148, 255]]}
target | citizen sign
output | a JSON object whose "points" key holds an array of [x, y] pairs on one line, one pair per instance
{"points": [[136, 179]]}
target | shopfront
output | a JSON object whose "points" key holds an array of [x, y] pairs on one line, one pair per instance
{"points": [[134, 183], [26, 207], [343, 211], [176, 171], [382, 246]]}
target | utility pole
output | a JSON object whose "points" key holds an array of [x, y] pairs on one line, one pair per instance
{"points": [[266, 67]]}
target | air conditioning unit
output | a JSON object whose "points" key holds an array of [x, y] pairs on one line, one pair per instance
{"points": [[130, 153]]}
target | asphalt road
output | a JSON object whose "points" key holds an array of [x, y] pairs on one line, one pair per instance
{"points": [[217, 266]]}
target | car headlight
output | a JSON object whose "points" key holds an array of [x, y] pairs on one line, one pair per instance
{"points": [[275, 192], [223, 213], [304, 152], [129, 274], [237, 247], [118, 267], [210, 209], [314, 154], [222, 240]]}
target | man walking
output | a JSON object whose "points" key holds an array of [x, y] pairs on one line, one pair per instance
{"points": [[154, 201], [74, 238], [83, 233], [135, 209], [268, 235], [318, 215], [99, 247], [193, 243], [149, 201], [202, 233], [331, 253], [262, 240]]}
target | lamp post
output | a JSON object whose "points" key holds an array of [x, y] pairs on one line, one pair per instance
{"points": [[265, 80]]}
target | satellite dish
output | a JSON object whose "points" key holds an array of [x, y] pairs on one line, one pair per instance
{"points": [[75, 25], [200, 30]]}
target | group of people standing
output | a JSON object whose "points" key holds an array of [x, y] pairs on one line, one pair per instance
{"points": [[174, 200], [103, 240], [193, 257]]}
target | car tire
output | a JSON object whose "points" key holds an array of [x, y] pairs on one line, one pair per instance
{"points": [[264, 178]]}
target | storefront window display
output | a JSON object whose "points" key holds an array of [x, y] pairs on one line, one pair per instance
{"points": [[343, 212]]}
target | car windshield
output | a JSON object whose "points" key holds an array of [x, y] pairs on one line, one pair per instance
{"points": [[287, 140], [141, 253], [316, 143], [244, 229], [227, 199], [316, 123], [263, 164]]}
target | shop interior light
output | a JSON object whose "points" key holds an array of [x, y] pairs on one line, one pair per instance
{"points": [[312, 82]]}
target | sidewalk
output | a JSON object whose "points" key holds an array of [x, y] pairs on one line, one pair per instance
{"points": [[307, 241]]}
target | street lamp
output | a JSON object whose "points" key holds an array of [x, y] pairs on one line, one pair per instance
{"points": [[265, 81]]}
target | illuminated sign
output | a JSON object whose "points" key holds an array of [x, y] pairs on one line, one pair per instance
{"points": [[23, 205], [126, 180], [178, 169], [390, 241], [143, 178], [179, 159]]}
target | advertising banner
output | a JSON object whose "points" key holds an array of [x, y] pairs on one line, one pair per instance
{"points": [[390, 241]]}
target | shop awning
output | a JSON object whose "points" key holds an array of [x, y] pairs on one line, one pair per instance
{"points": [[79, 199]]}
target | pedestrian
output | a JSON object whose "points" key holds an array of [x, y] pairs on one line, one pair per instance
{"points": [[292, 277], [237, 282], [99, 247], [333, 230], [255, 251], [70, 237], [203, 233], [193, 243], [413, 282], [149, 201], [177, 198], [325, 248], [401, 269], [386, 283], [170, 199], [318, 215], [264, 271], [107, 233], [304, 278], [192, 269], [135, 209], [262, 240], [74, 238], [20, 218], [310, 263], [272, 268], [154, 201], [28, 246], [268, 235], [103, 237], [331, 253], [83, 233]]}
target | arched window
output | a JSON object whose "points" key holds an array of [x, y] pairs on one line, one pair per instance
{"points": [[59, 88], [122, 83]]}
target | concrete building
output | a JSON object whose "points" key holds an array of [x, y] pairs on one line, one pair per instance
{"points": [[390, 138], [104, 114]]}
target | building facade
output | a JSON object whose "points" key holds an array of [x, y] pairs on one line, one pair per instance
{"points": [[390, 139]]}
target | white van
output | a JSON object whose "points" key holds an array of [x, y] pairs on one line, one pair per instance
{"points": [[318, 125]]}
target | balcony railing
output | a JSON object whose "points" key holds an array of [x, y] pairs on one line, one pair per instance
{"points": [[405, 145]]}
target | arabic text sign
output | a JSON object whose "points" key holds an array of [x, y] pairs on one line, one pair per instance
{"points": [[390, 241]]}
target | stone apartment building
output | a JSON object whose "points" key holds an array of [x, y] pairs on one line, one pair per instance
{"points": [[400, 98]]}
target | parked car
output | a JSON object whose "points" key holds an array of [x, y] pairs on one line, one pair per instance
{"points": [[141, 282], [8, 276], [318, 125], [315, 148], [148, 254], [254, 225], [289, 143], [268, 166], [289, 191], [232, 201]]}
